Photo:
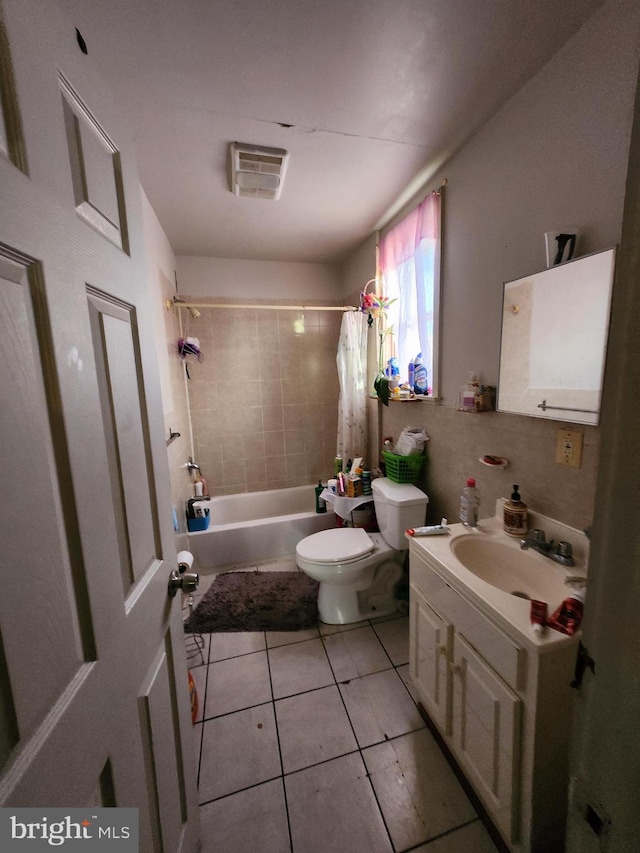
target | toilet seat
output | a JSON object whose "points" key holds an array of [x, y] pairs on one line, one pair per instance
{"points": [[342, 545]]}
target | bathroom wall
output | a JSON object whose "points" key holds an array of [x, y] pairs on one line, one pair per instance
{"points": [[554, 156], [258, 280], [160, 274], [264, 399], [357, 270]]}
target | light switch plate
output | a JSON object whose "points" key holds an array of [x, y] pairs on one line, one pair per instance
{"points": [[569, 448]]}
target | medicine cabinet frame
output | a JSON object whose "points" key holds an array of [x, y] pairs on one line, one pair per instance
{"points": [[555, 327]]}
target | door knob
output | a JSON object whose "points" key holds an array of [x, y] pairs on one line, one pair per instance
{"points": [[187, 582]]}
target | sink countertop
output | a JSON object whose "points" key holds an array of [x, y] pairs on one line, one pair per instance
{"points": [[503, 607]]}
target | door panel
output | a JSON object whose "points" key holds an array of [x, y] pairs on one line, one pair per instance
{"points": [[30, 457], [94, 703], [159, 729], [95, 169], [116, 351]]}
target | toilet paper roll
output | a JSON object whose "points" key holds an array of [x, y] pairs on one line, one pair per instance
{"points": [[185, 560]]}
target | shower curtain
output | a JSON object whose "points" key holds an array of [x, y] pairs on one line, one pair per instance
{"points": [[352, 369]]}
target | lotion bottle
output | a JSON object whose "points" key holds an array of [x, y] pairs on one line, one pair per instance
{"points": [[515, 521]]}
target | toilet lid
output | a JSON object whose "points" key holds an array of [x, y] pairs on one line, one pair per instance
{"points": [[336, 546]]}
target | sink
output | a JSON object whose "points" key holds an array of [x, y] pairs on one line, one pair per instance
{"points": [[510, 569]]}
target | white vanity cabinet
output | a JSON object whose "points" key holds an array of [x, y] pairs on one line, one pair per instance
{"points": [[499, 698]]}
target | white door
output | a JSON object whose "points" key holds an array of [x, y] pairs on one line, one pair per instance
{"points": [[94, 705]]}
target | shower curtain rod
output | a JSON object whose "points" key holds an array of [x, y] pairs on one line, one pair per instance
{"points": [[177, 302]]}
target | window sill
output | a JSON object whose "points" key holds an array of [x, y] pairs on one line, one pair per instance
{"points": [[418, 399]]}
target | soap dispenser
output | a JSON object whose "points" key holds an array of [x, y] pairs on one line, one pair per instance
{"points": [[515, 515]]}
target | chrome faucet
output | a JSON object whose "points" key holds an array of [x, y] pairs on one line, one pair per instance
{"points": [[561, 552]]}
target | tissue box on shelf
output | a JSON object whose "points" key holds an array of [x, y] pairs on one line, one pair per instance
{"points": [[197, 515], [354, 486], [486, 399]]}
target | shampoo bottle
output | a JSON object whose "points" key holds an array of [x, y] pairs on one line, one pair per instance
{"points": [[200, 486], [412, 370], [321, 504], [515, 515]]}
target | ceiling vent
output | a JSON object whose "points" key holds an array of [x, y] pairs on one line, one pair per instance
{"points": [[257, 172]]}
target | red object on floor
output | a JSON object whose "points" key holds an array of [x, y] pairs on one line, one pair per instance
{"points": [[193, 696]]}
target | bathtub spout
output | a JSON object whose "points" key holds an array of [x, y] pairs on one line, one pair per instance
{"points": [[191, 465]]}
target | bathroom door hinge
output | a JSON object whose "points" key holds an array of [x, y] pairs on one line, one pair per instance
{"points": [[583, 661]]}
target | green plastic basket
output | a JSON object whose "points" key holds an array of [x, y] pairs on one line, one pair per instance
{"points": [[402, 469]]}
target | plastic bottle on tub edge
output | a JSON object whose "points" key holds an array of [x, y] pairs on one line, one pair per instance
{"points": [[470, 504]]}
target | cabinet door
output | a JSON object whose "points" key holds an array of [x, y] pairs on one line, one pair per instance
{"points": [[430, 653], [486, 716]]}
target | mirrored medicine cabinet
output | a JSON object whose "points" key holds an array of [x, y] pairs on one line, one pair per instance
{"points": [[555, 325]]}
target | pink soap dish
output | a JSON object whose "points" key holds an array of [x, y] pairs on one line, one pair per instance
{"points": [[494, 461]]}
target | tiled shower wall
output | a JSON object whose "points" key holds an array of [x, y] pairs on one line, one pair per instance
{"points": [[264, 400]]}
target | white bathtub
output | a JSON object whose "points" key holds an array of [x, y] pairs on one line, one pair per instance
{"points": [[254, 527]]}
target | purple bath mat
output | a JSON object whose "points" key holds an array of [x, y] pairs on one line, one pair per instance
{"points": [[256, 601]]}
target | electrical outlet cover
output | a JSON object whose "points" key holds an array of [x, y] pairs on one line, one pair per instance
{"points": [[569, 448]]}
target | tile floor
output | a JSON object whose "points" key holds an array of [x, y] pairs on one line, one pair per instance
{"points": [[311, 742]]}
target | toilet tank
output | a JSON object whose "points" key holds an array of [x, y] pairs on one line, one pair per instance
{"points": [[398, 506]]}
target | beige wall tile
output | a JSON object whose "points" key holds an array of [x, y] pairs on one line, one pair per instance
{"points": [[272, 418], [277, 428], [276, 469], [273, 443], [458, 440]]}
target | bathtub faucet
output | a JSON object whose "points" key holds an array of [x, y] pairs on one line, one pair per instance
{"points": [[191, 465]]}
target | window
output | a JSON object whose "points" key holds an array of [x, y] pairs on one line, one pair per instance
{"points": [[409, 259]]}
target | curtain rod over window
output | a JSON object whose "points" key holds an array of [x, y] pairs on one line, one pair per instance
{"points": [[179, 303]]}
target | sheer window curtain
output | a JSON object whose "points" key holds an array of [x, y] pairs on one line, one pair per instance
{"points": [[351, 361], [409, 260]]}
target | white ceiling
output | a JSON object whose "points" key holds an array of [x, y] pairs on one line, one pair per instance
{"points": [[368, 98]]}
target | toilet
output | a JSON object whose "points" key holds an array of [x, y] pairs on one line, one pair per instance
{"points": [[358, 571]]}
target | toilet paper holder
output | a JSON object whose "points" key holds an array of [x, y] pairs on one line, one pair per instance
{"points": [[180, 578]]}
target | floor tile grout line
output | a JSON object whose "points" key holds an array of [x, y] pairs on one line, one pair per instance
{"points": [[267, 701], [275, 720], [242, 654], [444, 834], [315, 764], [359, 750], [383, 645], [273, 700], [244, 790], [286, 797], [202, 721]]}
